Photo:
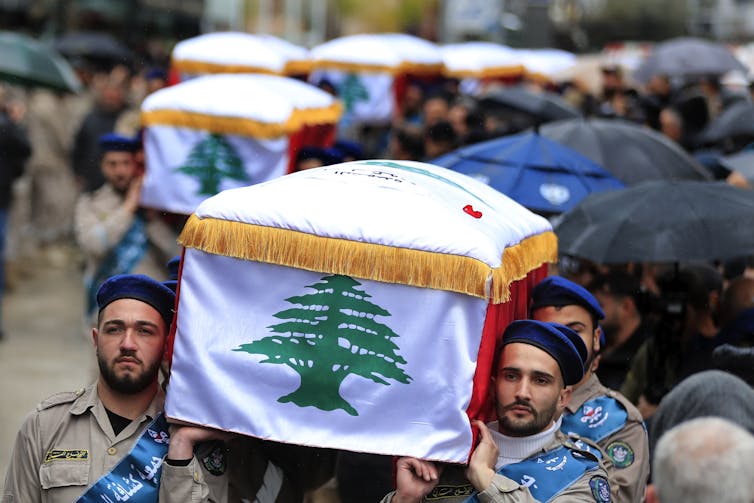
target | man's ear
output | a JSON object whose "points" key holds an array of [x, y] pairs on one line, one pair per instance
{"points": [[95, 335], [652, 496], [596, 339], [565, 397]]}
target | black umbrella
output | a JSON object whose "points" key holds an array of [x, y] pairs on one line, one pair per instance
{"points": [[688, 56], [632, 153], [734, 122], [743, 162], [540, 106], [28, 62], [660, 221], [93, 45]]}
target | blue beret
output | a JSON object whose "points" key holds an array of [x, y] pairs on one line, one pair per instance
{"points": [[173, 265], [559, 341], [350, 149], [112, 142], [139, 287], [326, 155], [558, 291], [156, 73]]}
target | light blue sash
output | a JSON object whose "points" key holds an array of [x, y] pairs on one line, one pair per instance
{"points": [[597, 419], [136, 477], [120, 260], [548, 474]]}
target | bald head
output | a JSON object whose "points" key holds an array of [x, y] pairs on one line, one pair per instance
{"points": [[702, 460]]}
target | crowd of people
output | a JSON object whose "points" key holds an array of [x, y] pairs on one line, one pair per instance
{"points": [[616, 373]]}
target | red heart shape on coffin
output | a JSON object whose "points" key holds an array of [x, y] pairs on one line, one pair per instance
{"points": [[471, 211]]}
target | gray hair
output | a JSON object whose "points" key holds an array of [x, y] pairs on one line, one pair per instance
{"points": [[705, 460]]}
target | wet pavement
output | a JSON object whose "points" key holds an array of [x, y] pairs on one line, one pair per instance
{"points": [[44, 350]]}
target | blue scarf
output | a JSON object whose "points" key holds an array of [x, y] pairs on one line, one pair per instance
{"points": [[120, 260], [136, 477]]}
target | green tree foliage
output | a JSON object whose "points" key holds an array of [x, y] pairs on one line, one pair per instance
{"points": [[211, 161], [328, 335], [352, 90]]}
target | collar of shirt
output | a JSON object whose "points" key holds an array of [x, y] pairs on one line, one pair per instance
{"points": [[514, 449]]}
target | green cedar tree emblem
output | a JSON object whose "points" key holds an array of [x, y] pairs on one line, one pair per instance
{"points": [[212, 160], [352, 91], [330, 334]]}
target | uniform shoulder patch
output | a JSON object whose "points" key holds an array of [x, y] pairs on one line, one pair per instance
{"points": [[600, 489], [215, 461], [58, 399], [620, 453]]}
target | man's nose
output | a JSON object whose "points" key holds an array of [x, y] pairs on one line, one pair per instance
{"points": [[523, 391], [129, 340]]}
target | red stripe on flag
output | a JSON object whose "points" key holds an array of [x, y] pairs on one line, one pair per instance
{"points": [[498, 317]]}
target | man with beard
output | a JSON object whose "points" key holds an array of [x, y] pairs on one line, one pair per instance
{"points": [[115, 235], [523, 456], [596, 412], [106, 441]]}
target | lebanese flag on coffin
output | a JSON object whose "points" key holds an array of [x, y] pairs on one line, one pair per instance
{"points": [[352, 306], [218, 132]]}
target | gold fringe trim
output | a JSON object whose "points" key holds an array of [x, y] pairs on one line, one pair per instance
{"points": [[367, 260], [493, 72], [202, 67], [520, 259], [240, 125], [538, 77], [298, 67], [343, 66]]}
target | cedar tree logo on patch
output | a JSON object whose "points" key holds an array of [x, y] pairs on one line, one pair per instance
{"points": [[330, 334]]}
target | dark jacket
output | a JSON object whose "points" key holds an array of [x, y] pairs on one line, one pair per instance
{"points": [[15, 149]]}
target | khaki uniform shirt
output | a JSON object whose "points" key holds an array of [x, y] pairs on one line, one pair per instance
{"points": [[453, 486], [100, 223], [628, 477], [66, 445]]}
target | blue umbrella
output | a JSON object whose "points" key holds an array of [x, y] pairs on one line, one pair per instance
{"points": [[534, 171]]}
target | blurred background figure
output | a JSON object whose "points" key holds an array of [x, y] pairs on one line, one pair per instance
{"points": [[619, 293], [703, 460], [110, 103], [16, 149]]}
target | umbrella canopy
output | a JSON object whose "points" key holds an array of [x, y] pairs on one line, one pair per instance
{"points": [[534, 171], [632, 153], [735, 121], [235, 52], [688, 56], [743, 162], [480, 60], [93, 45], [660, 221], [28, 62], [378, 52], [541, 106]]}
